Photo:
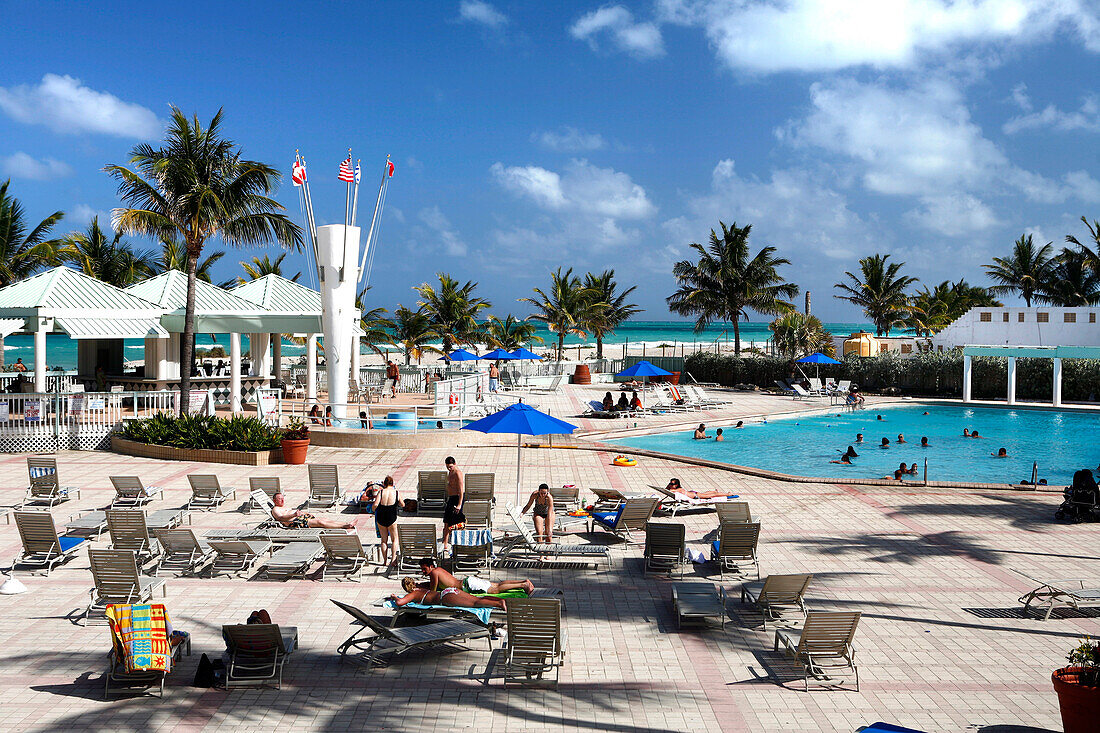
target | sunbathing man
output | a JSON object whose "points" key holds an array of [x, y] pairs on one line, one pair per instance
{"points": [[296, 519], [446, 597], [439, 578]]}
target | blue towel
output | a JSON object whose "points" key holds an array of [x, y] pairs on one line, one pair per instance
{"points": [[714, 548], [483, 614], [68, 543], [608, 519], [888, 728]]}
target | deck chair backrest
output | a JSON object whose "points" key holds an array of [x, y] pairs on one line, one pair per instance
{"points": [[565, 498], [204, 483], [665, 538], [128, 485], [828, 632], [479, 486], [254, 640], [37, 531], [637, 512], [785, 588], [733, 511], [431, 485], [115, 574], [342, 545], [479, 514], [517, 519], [534, 625], [268, 484], [366, 620], [42, 471], [416, 540], [261, 498], [323, 477], [177, 540], [128, 529], [738, 538]]}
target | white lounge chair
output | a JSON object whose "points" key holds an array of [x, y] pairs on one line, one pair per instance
{"points": [[1075, 593], [823, 646], [526, 547]]}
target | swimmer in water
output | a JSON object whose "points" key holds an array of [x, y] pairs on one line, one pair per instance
{"points": [[879, 417], [913, 469], [844, 460], [966, 432], [718, 435], [901, 438], [740, 424], [924, 442], [885, 443], [700, 432], [1001, 453], [859, 437], [975, 434]]}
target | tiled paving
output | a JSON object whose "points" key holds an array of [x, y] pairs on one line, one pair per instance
{"points": [[941, 646]]}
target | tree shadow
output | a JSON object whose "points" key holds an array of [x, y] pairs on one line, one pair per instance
{"points": [[904, 547]]}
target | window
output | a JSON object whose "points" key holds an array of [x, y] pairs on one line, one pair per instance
{"points": [[1042, 318], [906, 348], [941, 347], [1069, 318], [1021, 318], [1004, 317], [985, 317], [1092, 318]]}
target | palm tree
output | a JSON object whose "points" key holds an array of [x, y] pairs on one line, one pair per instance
{"points": [[1074, 282], [261, 266], [22, 252], [511, 333], [373, 321], [606, 319], [726, 282], [111, 260], [452, 310], [198, 186], [796, 334], [1092, 256], [566, 307], [173, 256], [930, 311], [1025, 272], [879, 291], [411, 330]]}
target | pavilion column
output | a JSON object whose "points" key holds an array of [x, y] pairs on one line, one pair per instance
{"points": [[967, 375], [1057, 381], [40, 356], [235, 372], [1012, 380], [311, 366], [356, 358], [277, 354], [261, 362]]}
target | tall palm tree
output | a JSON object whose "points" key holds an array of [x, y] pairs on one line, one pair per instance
{"points": [[511, 333], [23, 252], [930, 311], [372, 321], [452, 310], [796, 334], [262, 266], [565, 307], [108, 259], [173, 256], [1074, 282], [1092, 256], [198, 185], [1025, 271], [727, 282], [606, 319], [411, 331], [880, 291]]}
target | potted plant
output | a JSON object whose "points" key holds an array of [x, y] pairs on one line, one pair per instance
{"points": [[1078, 688], [294, 440]]}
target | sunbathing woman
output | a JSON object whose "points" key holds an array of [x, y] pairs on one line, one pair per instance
{"points": [[445, 597], [295, 519], [675, 487]]}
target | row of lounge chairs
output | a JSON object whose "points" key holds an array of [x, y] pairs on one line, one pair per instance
{"points": [[662, 398]]}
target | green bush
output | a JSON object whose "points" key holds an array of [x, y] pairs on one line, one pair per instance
{"points": [[240, 432]]}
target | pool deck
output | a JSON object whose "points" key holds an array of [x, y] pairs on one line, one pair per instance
{"points": [[942, 645]]}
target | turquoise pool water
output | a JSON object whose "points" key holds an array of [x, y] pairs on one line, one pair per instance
{"points": [[1061, 442]]}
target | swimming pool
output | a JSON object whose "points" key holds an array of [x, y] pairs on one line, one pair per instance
{"points": [[1061, 442], [400, 421]]}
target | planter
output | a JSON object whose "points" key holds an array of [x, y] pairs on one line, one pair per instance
{"points": [[1079, 704], [294, 451], [581, 375], [675, 378], [168, 453]]}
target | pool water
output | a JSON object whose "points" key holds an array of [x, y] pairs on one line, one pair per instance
{"points": [[1061, 442], [402, 423]]}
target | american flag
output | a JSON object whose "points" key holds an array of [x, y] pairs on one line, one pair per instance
{"points": [[346, 173]]}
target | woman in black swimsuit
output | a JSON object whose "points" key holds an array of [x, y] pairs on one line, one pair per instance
{"points": [[543, 514], [385, 516]]}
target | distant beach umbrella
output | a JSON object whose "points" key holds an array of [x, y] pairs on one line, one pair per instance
{"points": [[497, 355], [459, 355], [523, 354], [818, 358]]}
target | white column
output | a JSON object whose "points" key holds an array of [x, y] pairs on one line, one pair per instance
{"points": [[1012, 380], [277, 354], [40, 356], [311, 366], [1057, 382], [261, 361], [356, 357], [967, 374], [338, 258], [235, 372]]}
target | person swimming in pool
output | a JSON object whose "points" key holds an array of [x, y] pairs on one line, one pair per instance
{"points": [[1001, 453], [740, 424], [718, 435], [966, 432], [974, 434], [885, 443], [924, 442], [844, 460], [901, 438], [879, 417], [859, 438], [912, 469], [700, 432], [925, 412], [851, 452]]}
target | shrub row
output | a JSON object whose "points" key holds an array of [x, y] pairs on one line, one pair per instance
{"points": [[240, 432]]}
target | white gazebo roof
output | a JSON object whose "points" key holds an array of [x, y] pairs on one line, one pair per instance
{"points": [[216, 310], [285, 298]]}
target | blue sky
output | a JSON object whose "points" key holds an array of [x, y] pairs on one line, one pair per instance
{"points": [[528, 136]]}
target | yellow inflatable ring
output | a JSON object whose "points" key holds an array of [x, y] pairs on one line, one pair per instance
{"points": [[625, 461]]}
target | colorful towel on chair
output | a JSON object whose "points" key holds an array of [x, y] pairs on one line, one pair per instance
{"points": [[483, 614], [514, 593], [140, 635]]}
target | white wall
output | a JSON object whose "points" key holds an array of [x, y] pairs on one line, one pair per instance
{"points": [[1021, 327]]}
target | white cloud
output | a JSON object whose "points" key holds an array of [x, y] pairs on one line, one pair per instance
{"points": [[65, 105], [21, 165], [642, 40], [1087, 118], [581, 188], [83, 214], [952, 216], [477, 11], [569, 140], [451, 242]]}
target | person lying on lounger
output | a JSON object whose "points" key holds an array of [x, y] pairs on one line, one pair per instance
{"points": [[296, 519], [445, 597], [675, 487], [439, 578]]}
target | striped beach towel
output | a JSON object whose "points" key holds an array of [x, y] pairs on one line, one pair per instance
{"points": [[140, 635]]}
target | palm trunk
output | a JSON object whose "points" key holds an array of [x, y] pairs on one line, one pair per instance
{"points": [[187, 342], [599, 347], [736, 337], [561, 345]]}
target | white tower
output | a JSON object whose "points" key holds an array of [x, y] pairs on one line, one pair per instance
{"points": [[337, 258]]}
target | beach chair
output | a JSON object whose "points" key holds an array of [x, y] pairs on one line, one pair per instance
{"points": [[142, 651], [479, 514], [674, 502], [551, 386], [183, 552], [257, 653], [823, 646], [776, 594], [345, 555], [816, 387], [431, 490], [595, 409], [324, 485], [526, 547], [800, 392], [694, 399], [697, 601], [535, 644], [116, 578], [42, 546], [130, 532], [736, 548], [784, 388], [293, 560], [1076, 593], [566, 499], [237, 556], [706, 397], [130, 491], [45, 486], [733, 511], [471, 551], [664, 547], [614, 497], [207, 492], [415, 541], [631, 516], [479, 487], [269, 486], [371, 640]]}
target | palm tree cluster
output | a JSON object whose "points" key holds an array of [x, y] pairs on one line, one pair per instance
{"points": [[1067, 278]]}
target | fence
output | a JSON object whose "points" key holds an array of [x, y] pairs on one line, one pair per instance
{"points": [[54, 380]]}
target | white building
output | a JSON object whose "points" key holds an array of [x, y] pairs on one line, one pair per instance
{"points": [[1035, 326]]}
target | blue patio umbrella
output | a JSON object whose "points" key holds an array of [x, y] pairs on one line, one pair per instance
{"points": [[644, 369], [497, 354], [818, 358], [459, 355], [520, 419], [523, 354]]}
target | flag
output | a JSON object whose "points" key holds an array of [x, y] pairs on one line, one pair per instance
{"points": [[345, 171], [389, 167], [298, 172], [358, 173]]}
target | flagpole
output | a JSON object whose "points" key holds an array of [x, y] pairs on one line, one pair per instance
{"points": [[374, 217], [347, 222], [312, 223], [355, 196]]}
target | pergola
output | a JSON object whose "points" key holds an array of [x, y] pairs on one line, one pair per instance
{"points": [[1057, 353]]}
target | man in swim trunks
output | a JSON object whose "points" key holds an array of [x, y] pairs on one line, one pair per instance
{"points": [[295, 519], [439, 578], [446, 597], [453, 518]]}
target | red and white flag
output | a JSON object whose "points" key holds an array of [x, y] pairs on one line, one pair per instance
{"points": [[389, 167], [298, 172], [346, 173]]}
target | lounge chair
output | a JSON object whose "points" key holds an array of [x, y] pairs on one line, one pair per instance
{"points": [[345, 555], [95, 522], [471, 550], [371, 640], [733, 512], [183, 552], [664, 547], [130, 532], [800, 392], [257, 653], [479, 487], [535, 644], [595, 409], [695, 399], [674, 502], [705, 397], [631, 516], [130, 491], [823, 646], [783, 387], [1076, 593], [324, 485], [293, 560], [45, 487], [207, 492], [551, 386], [566, 499], [431, 490], [698, 602], [142, 652], [736, 547], [276, 534], [116, 578], [816, 387], [42, 546], [268, 485], [776, 594], [415, 541], [613, 497], [479, 514], [525, 546], [237, 556]]}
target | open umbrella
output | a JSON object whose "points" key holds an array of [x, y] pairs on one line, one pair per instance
{"points": [[523, 354], [459, 355], [497, 354], [644, 369], [818, 358], [520, 419]]}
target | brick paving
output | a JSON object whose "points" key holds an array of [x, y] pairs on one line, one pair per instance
{"points": [[941, 645]]}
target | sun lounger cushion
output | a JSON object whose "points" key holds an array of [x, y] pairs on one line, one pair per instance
{"points": [[608, 519], [483, 614], [67, 543]]}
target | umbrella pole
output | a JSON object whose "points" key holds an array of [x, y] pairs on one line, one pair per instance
{"points": [[519, 465]]}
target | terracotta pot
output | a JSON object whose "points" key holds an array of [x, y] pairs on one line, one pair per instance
{"points": [[1080, 704], [675, 378], [581, 375], [294, 451]]}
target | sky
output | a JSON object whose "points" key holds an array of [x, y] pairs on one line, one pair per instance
{"points": [[528, 136]]}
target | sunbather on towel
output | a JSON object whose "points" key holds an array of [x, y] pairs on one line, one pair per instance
{"points": [[446, 597], [295, 519], [675, 487], [439, 578]]}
